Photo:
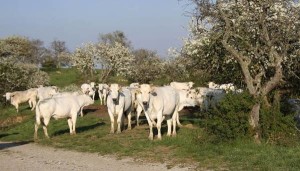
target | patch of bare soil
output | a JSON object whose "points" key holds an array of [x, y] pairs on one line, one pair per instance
{"points": [[12, 121], [30, 156]]}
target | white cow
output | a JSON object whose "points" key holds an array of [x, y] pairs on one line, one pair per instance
{"points": [[119, 103], [228, 87], [88, 89], [60, 107], [213, 85], [93, 85], [103, 91], [187, 98], [208, 97], [46, 92], [136, 103], [19, 97], [134, 85], [62, 94], [160, 103], [182, 85]]}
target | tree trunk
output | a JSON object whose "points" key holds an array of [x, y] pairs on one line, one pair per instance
{"points": [[254, 122]]}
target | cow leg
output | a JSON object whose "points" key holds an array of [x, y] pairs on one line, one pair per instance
{"points": [[17, 107], [150, 126], [74, 118], [81, 111], [169, 123], [112, 122], [45, 123], [104, 99], [33, 104], [129, 120], [138, 114], [30, 103], [174, 120], [70, 125], [158, 125], [120, 121], [101, 102], [36, 127]]}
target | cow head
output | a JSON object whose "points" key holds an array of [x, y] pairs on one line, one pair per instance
{"points": [[114, 90], [190, 84], [7, 96], [191, 94], [191, 97], [145, 91]]}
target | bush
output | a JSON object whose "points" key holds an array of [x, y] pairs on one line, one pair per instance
{"points": [[19, 76], [277, 127], [229, 119]]}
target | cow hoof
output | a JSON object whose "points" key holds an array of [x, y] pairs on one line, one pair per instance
{"points": [[150, 138]]}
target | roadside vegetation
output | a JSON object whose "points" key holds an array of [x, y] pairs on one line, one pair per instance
{"points": [[192, 146]]}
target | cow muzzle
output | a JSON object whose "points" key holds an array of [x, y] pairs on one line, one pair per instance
{"points": [[145, 103]]}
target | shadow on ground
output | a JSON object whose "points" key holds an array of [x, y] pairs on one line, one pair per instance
{"points": [[5, 145], [79, 129]]}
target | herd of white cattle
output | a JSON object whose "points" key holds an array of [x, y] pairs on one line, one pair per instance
{"points": [[157, 102]]}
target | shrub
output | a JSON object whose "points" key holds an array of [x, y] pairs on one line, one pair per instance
{"points": [[19, 76], [277, 123], [229, 119]]}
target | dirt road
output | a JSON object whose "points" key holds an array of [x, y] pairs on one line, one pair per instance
{"points": [[33, 157]]}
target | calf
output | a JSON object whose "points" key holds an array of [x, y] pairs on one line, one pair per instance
{"points": [[19, 97], [103, 91], [60, 107]]}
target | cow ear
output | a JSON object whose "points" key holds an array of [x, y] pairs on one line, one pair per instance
{"points": [[152, 88], [153, 93], [137, 91], [4, 95], [120, 88]]}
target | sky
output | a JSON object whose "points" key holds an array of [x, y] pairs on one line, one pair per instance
{"points": [[151, 24]]}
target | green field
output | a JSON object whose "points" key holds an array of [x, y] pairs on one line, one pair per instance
{"points": [[187, 148]]}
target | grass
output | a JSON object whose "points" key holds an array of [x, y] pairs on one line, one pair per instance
{"points": [[64, 77], [189, 147]]}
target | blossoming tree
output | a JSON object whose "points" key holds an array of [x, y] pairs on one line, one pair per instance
{"points": [[262, 37]]}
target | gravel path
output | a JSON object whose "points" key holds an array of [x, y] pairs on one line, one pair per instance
{"points": [[33, 157]]}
